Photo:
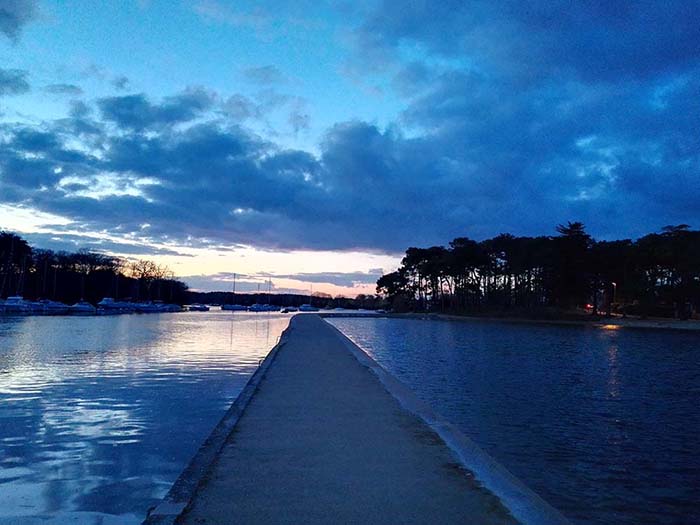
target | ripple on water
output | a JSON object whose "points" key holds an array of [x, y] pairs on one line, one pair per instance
{"points": [[98, 415], [604, 425]]}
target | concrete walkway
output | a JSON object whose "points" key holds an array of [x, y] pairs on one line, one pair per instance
{"points": [[322, 441]]}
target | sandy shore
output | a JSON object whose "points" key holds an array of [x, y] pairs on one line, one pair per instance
{"points": [[323, 441]]}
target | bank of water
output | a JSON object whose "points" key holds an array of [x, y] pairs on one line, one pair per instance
{"points": [[99, 415], [602, 423]]}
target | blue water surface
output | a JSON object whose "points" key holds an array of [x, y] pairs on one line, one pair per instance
{"points": [[99, 415], [604, 424]]}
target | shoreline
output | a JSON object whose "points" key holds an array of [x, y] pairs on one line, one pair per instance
{"points": [[612, 323]]}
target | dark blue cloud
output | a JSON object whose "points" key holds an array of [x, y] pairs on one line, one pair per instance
{"points": [[120, 82], [516, 118], [590, 39], [14, 15], [64, 89], [137, 112], [13, 82], [62, 241]]}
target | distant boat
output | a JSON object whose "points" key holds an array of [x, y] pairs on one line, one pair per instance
{"points": [[110, 304], [17, 304], [53, 307], [198, 308], [264, 308], [147, 308], [257, 307], [307, 308], [234, 307], [82, 308], [36, 307], [170, 307]]}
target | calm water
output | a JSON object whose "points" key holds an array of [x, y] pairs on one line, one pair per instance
{"points": [[98, 415], [604, 424]]}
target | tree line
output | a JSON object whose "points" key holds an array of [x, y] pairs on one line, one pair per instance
{"points": [[317, 299], [83, 275], [655, 275]]}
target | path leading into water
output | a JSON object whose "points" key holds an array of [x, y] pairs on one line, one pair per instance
{"points": [[322, 441]]}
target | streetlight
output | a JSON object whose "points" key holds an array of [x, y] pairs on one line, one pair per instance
{"points": [[614, 285]]}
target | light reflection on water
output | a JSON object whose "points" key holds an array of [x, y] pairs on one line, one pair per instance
{"points": [[603, 424], [99, 415]]}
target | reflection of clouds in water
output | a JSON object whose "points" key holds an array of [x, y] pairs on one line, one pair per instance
{"points": [[101, 414], [92, 422]]}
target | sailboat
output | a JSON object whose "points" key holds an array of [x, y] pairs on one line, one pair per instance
{"points": [[307, 307], [257, 307], [234, 307]]}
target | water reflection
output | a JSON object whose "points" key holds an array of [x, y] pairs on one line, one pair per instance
{"points": [[613, 381], [602, 423], [98, 415]]}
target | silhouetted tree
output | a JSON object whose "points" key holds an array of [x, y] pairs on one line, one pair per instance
{"points": [[69, 277], [657, 274]]}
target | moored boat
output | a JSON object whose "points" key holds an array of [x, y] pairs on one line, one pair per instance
{"points": [[307, 308], [82, 308], [53, 307], [264, 308], [16, 304], [234, 307], [198, 308]]}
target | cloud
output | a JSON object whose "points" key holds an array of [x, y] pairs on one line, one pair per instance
{"points": [[62, 241], [589, 39], [13, 82], [64, 89], [252, 283], [499, 132], [241, 108], [137, 112], [345, 279], [264, 75], [120, 82], [515, 169], [14, 15], [299, 121], [223, 281]]}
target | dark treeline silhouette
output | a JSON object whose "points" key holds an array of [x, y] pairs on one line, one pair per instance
{"points": [[69, 277], [656, 275], [317, 299]]}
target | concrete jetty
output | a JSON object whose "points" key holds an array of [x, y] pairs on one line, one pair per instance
{"points": [[323, 438]]}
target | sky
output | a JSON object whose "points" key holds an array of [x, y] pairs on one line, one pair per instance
{"points": [[312, 142]]}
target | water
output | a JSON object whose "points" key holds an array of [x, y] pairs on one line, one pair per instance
{"points": [[603, 424], [99, 415]]}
